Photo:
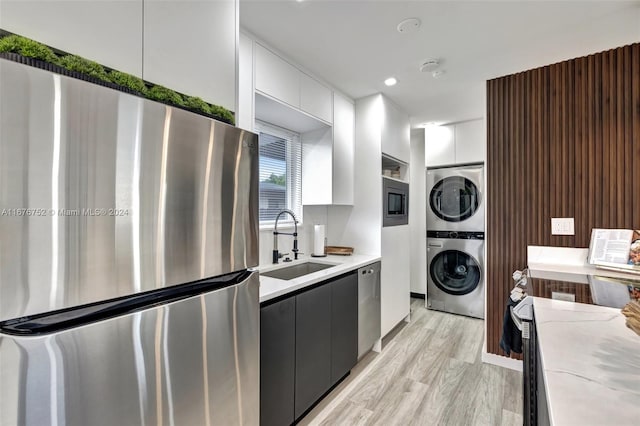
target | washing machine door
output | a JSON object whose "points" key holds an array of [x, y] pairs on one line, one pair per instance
{"points": [[455, 272], [454, 198]]}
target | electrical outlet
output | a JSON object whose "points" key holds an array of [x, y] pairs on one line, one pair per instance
{"points": [[562, 226], [567, 297]]}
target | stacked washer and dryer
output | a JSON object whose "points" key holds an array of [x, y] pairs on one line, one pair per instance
{"points": [[455, 240]]}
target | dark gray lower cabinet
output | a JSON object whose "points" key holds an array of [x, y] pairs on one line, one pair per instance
{"points": [[313, 346], [307, 343], [344, 325], [277, 363]]}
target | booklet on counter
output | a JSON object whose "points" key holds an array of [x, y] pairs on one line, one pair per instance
{"points": [[615, 249]]}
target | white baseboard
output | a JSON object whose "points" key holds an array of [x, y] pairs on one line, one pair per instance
{"points": [[502, 361]]}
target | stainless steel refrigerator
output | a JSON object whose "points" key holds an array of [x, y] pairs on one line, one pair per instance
{"points": [[128, 230]]}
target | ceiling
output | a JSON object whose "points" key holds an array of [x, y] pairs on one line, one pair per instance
{"points": [[354, 45]]}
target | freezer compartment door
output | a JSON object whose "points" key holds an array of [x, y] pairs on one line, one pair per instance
{"points": [[191, 361], [105, 194]]}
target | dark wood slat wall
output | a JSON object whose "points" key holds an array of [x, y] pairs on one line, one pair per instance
{"points": [[562, 141]]}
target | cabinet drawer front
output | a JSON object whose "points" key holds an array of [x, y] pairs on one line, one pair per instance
{"points": [[277, 360], [344, 325], [313, 346]]}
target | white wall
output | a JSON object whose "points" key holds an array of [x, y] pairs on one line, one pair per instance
{"points": [[358, 226], [417, 213], [108, 32], [311, 215]]}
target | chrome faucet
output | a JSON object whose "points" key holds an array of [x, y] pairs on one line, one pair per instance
{"points": [[276, 254]]}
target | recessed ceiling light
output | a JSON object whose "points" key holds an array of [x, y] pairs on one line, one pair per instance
{"points": [[429, 124], [391, 81], [429, 65], [410, 25]]}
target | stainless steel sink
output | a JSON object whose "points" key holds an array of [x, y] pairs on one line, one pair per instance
{"points": [[295, 271]]}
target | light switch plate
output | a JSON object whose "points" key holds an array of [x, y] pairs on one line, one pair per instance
{"points": [[562, 226]]}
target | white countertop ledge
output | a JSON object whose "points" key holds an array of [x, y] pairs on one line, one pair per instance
{"points": [[590, 362], [271, 288]]}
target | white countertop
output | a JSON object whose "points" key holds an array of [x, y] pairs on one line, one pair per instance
{"points": [[590, 362], [574, 273], [567, 264], [272, 287]]}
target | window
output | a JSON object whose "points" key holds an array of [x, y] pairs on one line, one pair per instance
{"points": [[280, 173]]}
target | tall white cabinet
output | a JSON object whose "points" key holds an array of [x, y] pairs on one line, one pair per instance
{"points": [[418, 214], [381, 128]]}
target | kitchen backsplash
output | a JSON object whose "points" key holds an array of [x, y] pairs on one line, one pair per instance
{"points": [[311, 215]]}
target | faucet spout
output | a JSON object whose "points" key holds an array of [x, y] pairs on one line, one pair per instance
{"points": [[276, 254]]}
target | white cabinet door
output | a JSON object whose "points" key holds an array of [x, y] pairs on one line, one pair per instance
{"points": [[470, 142], [328, 158], [315, 98], [108, 32], [317, 165], [395, 132], [439, 146], [395, 287], [343, 150], [190, 47], [276, 77]]}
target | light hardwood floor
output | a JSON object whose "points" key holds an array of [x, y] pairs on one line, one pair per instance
{"points": [[429, 373]]}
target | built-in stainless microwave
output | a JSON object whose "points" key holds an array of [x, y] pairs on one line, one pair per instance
{"points": [[395, 202]]}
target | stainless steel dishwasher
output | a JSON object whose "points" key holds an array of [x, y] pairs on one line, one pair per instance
{"points": [[368, 307]]}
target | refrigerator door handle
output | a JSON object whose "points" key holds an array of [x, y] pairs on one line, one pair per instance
{"points": [[54, 321]]}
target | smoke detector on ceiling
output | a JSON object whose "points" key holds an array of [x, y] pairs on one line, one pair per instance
{"points": [[429, 65], [408, 26]]}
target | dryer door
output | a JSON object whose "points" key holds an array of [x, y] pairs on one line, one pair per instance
{"points": [[454, 198], [455, 272]]}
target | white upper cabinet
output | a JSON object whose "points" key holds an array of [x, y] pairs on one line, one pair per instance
{"points": [[315, 98], [108, 32], [276, 77], [395, 132], [343, 149], [328, 158], [190, 47], [458, 143], [289, 98], [439, 146], [280, 80], [470, 142]]}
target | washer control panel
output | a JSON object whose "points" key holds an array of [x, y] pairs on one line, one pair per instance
{"points": [[456, 235]]}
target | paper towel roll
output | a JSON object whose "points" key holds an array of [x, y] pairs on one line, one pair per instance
{"points": [[318, 240]]}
